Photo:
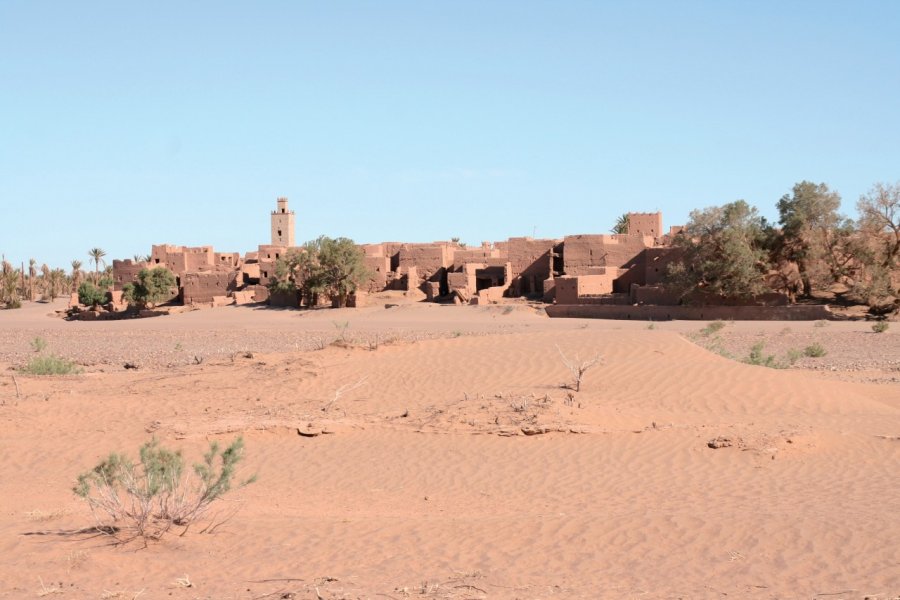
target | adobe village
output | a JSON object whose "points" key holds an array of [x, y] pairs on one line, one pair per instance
{"points": [[626, 275], [725, 428]]}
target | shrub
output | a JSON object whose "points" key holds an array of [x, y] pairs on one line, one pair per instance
{"points": [[815, 351], [712, 328], [90, 295], [152, 286], [759, 359], [146, 499], [793, 356], [578, 368], [820, 323], [50, 365], [880, 326], [38, 344]]}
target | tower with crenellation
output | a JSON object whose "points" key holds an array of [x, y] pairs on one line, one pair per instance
{"points": [[282, 224]]}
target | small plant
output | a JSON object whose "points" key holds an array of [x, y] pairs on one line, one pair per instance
{"points": [[820, 323], [50, 365], [651, 326], [178, 347], [578, 368], [815, 351], [342, 326], [148, 498], [759, 359], [38, 344], [508, 310], [712, 328], [793, 356], [880, 326]]}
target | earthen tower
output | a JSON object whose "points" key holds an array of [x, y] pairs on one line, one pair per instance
{"points": [[283, 224]]}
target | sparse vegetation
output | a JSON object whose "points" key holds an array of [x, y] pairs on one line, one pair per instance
{"points": [[146, 499], [714, 327], [880, 326], [820, 323], [758, 358], [50, 365], [38, 344], [815, 351]]}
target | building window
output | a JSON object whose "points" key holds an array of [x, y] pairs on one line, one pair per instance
{"points": [[279, 233]]}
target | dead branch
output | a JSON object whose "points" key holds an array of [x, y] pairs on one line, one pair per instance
{"points": [[344, 389]]}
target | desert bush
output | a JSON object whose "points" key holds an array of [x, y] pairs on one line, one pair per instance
{"points": [[90, 295], [712, 328], [758, 358], [578, 368], [146, 499], [50, 365], [820, 323], [38, 344], [880, 326], [815, 351], [793, 356]]}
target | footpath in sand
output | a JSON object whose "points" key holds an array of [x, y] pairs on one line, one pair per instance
{"points": [[437, 456]]}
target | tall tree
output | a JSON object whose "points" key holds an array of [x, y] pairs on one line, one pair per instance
{"points": [[723, 252], [97, 254], [811, 226], [76, 274], [879, 216], [32, 273]]}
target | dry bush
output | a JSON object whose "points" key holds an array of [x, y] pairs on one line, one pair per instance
{"points": [[146, 499], [578, 368]]}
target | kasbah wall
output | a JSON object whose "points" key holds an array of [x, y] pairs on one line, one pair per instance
{"points": [[588, 269]]}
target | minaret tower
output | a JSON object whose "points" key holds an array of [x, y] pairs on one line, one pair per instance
{"points": [[283, 225]]}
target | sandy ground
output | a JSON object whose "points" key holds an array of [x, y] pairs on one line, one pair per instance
{"points": [[435, 455]]}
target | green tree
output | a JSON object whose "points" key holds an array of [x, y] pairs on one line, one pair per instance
{"points": [[335, 267], [813, 233], [723, 252], [151, 287], [343, 267], [621, 225], [90, 295]]}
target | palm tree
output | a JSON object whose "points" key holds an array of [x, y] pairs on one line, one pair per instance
{"points": [[97, 255], [76, 275], [621, 226], [32, 271]]}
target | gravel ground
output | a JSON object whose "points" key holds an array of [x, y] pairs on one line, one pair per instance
{"points": [[110, 351], [861, 356]]}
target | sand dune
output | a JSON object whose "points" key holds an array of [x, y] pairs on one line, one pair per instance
{"points": [[456, 466]]}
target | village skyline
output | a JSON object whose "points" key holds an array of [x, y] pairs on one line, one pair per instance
{"points": [[402, 122]]}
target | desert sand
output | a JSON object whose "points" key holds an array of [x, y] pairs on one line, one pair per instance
{"points": [[432, 453]]}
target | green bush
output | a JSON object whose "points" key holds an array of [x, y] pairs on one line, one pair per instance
{"points": [[880, 326], [146, 499], [151, 287], [815, 351], [50, 365], [90, 295], [759, 359]]}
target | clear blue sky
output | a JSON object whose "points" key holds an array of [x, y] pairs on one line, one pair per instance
{"points": [[124, 124]]}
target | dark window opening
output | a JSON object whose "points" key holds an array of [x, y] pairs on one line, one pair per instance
{"points": [[279, 233], [265, 273], [282, 210], [157, 261]]}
